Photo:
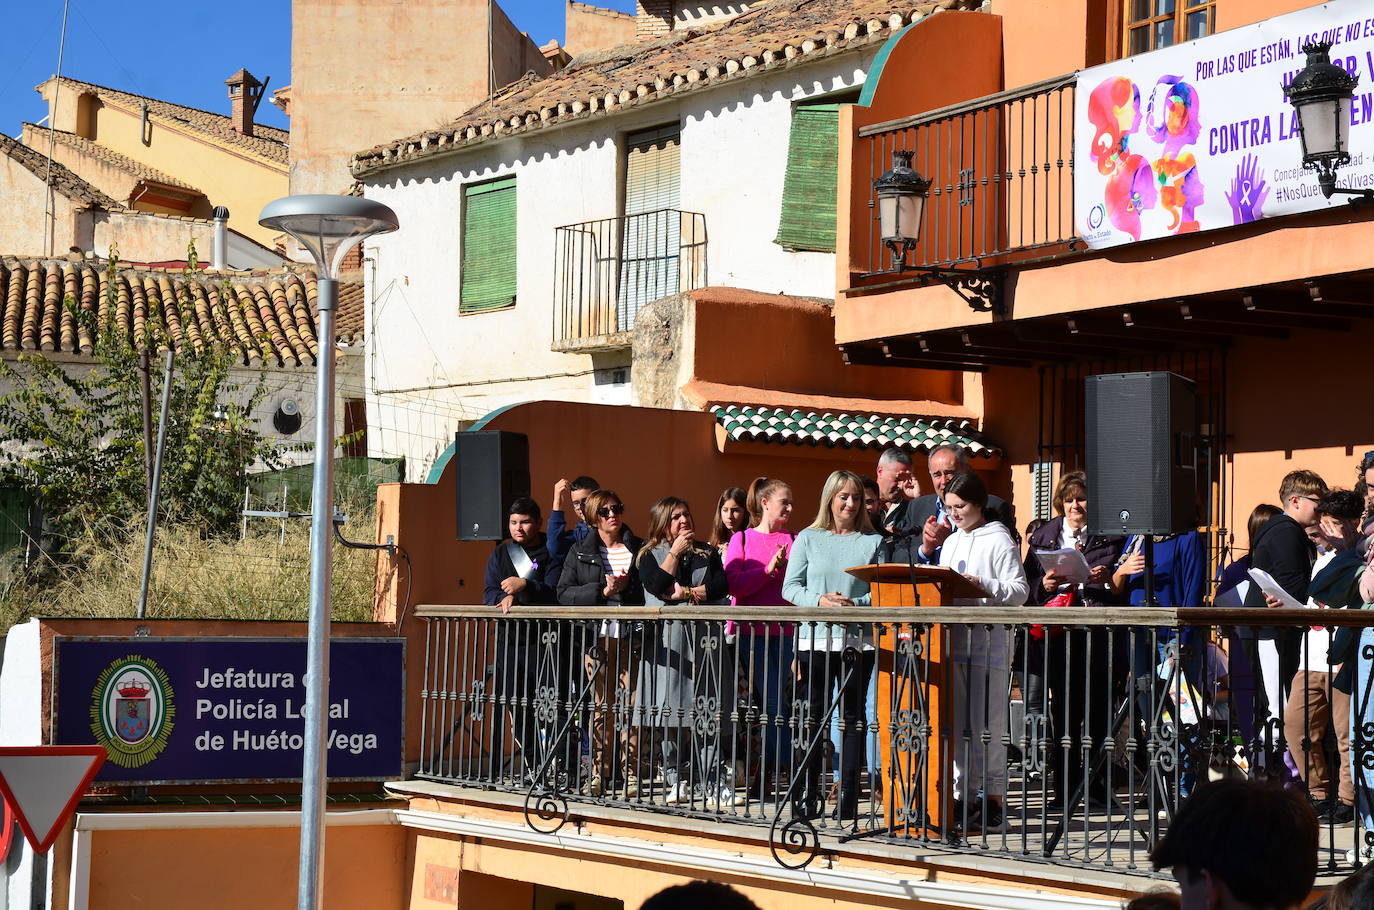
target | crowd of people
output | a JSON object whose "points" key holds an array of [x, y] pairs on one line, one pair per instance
{"points": [[1284, 690]]}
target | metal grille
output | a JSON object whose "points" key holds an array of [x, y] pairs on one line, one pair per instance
{"points": [[1001, 171]]}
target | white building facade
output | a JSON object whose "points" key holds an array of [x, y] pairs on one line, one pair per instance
{"points": [[433, 369]]}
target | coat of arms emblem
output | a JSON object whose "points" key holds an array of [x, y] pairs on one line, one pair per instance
{"points": [[132, 711]]}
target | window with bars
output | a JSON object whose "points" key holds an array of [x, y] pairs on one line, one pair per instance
{"points": [[1153, 24], [488, 257]]}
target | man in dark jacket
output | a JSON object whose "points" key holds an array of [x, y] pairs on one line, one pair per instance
{"points": [[520, 573], [569, 493], [1283, 549], [945, 463]]}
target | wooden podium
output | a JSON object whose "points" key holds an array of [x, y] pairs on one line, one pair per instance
{"points": [[911, 690]]}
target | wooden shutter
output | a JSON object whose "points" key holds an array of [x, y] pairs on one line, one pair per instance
{"points": [[808, 188], [488, 268], [650, 244], [652, 170]]}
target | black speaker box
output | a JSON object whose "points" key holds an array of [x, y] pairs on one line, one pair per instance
{"points": [[1142, 453], [493, 469]]}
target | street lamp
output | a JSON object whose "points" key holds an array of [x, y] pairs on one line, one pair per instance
{"points": [[1320, 94], [901, 205], [327, 226], [902, 193]]}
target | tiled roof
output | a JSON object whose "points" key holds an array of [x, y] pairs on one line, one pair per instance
{"points": [[771, 35], [265, 318], [109, 156], [63, 180], [850, 431], [267, 141]]}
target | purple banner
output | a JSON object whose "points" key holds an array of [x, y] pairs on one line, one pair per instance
{"points": [[196, 710]]}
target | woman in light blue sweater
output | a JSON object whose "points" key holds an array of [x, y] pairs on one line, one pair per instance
{"points": [[841, 537]]}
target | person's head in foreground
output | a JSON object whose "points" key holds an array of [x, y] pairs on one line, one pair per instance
{"points": [[699, 896], [1154, 899], [1241, 845]]}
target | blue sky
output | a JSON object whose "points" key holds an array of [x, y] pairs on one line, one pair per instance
{"points": [[177, 51]]}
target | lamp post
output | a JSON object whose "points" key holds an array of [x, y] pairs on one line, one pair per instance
{"points": [[902, 193], [328, 227], [1320, 94]]}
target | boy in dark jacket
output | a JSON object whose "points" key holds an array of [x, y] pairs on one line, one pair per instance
{"points": [[520, 573], [1283, 549]]}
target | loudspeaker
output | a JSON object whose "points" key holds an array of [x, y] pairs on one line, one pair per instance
{"points": [[1142, 453], [493, 469]]}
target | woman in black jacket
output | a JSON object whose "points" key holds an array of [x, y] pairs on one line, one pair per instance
{"points": [[682, 673], [1074, 661], [600, 570]]}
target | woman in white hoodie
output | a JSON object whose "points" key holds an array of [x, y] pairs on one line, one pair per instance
{"points": [[984, 552]]}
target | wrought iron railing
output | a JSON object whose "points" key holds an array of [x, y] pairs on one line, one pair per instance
{"points": [[1001, 170], [606, 270], [1089, 734]]}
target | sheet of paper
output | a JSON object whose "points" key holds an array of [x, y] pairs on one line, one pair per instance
{"points": [[1272, 588], [1068, 564]]}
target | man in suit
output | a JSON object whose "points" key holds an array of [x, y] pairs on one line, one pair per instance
{"points": [[945, 463], [893, 476]]}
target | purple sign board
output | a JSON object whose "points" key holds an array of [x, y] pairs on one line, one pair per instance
{"points": [[227, 710]]}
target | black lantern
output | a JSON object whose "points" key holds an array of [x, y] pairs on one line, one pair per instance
{"points": [[902, 194], [1320, 94], [901, 206]]}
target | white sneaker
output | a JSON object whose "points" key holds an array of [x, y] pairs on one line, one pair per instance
{"points": [[725, 797], [680, 792]]}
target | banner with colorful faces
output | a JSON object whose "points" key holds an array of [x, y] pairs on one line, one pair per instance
{"points": [[1199, 136]]}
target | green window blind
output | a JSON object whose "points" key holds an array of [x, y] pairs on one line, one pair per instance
{"points": [[488, 276], [808, 187]]}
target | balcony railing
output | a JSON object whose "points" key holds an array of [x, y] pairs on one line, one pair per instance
{"points": [[1001, 170], [1089, 734], [606, 270]]}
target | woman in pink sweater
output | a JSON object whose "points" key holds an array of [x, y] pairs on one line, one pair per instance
{"points": [[755, 563]]}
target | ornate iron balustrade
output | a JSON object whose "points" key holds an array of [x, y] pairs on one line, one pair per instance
{"points": [[1091, 734], [605, 270], [1001, 170]]}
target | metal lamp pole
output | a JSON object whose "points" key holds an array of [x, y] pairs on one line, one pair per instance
{"points": [[328, 227]]}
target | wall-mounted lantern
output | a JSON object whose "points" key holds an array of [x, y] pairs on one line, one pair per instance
{"points": [[1320, 94], [902, 192]]}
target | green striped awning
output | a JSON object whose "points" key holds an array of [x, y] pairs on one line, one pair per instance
{"points": [[851, 431]]}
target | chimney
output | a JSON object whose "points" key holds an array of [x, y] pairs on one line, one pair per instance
{"points": [[653, 19], [219, 251], [245, 94]]}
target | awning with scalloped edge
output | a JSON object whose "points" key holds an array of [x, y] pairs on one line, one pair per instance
{"points": [[851, 431]]}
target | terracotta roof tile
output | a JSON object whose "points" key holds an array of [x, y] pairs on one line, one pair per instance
{"points": [[771, 35], [267, 142], [263, 317], [110, 156], [63, 180], [851, 431]]}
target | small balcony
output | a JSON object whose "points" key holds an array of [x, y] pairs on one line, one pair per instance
{"points": [[1001, 170], [606, 270]]}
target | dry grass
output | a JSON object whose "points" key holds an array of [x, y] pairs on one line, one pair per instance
{"points": [[262, 576]]}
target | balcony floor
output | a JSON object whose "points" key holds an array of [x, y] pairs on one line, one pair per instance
{"points": [[1081, 861]]}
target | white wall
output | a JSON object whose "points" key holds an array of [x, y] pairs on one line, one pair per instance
{"points": [[431, 371]]}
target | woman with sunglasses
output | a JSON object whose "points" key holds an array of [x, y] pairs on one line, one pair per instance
{"points": [[600, 570]]}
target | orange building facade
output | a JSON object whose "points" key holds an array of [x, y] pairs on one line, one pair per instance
{"points": [[1267, 317]]}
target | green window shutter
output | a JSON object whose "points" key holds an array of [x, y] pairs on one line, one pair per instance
{"points": [[808, 188], [488, 276]]}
